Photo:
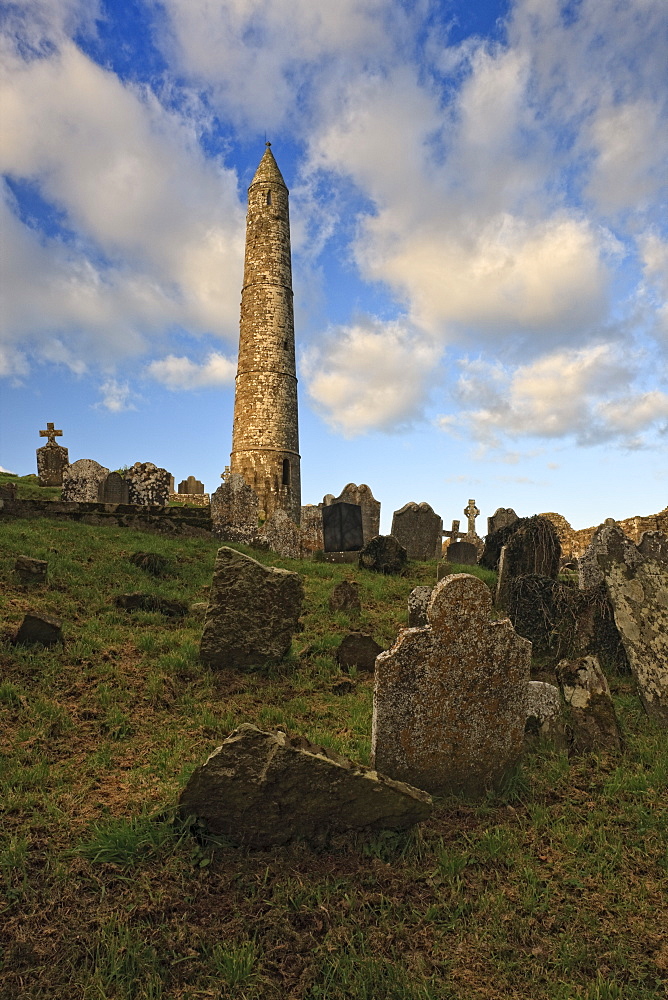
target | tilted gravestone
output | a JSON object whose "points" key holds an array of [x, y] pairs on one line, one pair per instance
{"points": [[265, 789], [637, 586], [253, 612], [342, 527], [82, 479], [419, 530], [114, 489], [364, 498], [235, 510], [148, 485], [52, 458], [463, 553], [586, 692], [450, 698]]}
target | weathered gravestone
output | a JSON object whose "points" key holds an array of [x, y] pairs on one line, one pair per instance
{"points": [[191, 485], [450, 698], [463, 553], [383, 554], [654, 545], [114, 489], [235, 510], [345, 596], [364, 498], [419, 530], [38, 630], [310, 524], [253, 612], [148, 485], [52, 458], [281, 535], [31, 570], [82, 480], [545, 717], [266, 789], [418, 599], [358, 650], [637, 586], [342, 527], [592, 713], [532, 550], [502, 517]]}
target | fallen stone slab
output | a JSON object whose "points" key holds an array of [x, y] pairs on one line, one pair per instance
{"points": [[265, 789], [38, 630], [31, 570]]}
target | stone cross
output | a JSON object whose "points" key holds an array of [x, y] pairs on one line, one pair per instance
{"points": [[454, 534], [471, 513], [51, 434]]}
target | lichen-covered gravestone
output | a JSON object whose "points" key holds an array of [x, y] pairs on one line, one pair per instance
{"points": [[148, 485], [253, 612], [383, 554], [265, 789], [82, 481], [637, 586], [418, 599], [52, 459], [282, 535], [450, 698], [592, 712], [235, 510], [419, 529]]}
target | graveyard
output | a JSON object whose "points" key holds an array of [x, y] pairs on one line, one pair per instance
{"points": [[547, 882]]}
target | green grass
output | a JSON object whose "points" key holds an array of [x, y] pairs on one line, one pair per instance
{"points": [[553, 889]]}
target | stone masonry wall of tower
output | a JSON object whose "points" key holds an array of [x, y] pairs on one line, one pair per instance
{"points": [[265, 436]]}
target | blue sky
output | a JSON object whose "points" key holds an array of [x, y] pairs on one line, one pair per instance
{"points": [[480, 244]]}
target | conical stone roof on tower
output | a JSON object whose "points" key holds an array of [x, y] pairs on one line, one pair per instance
{"points": [[265, 436]]}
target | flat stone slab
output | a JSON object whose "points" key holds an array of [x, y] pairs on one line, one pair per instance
{"points": [[264, 789], [253, 612], [450, 697]]}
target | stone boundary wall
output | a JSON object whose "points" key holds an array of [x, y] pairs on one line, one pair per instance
{"points": [[196, 499], [574, 542], [163, 520]]}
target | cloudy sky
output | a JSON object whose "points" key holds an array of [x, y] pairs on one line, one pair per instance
{"points": [[480, 244]]}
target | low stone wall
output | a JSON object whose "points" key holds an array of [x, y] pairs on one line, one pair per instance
{"points": [[164, 520], [574, 543], [195, 499]]}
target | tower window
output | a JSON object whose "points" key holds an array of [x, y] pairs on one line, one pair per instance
{"points": [[268, 197], [286, 472]]}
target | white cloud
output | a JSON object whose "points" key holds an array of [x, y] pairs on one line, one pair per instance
{"points": [[182, 373], [116, 396], [586, 394], [8, 471], [371, 376]]}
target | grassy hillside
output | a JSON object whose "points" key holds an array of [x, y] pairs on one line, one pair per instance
{"points": [[554, 889]]}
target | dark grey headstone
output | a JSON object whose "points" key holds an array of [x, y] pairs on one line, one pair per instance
{"points": [[114, 489], [358, 650], [342, 527], [36, 630], [462, 553]]}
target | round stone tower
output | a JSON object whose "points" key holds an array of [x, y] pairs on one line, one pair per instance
{"points": [[265, 437]]}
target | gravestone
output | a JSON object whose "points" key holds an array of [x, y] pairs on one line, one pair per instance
{"points": [[364, 498], [253, 612], [31, 570], [383, 554], [114, 489], [82, 480], [464, 553], [235, 510], [358, 650], [38, 630], [637, 586], [52, 458], [592, 713], [654, 545], [419, 530], [148, 485], [7, 491], [545, 717], [191, 485], [533, 550], [342, 527], [502, 517], [265, 789], [450, 698], [418, 599], [281, 535], [311, 528], [345, 596]]}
